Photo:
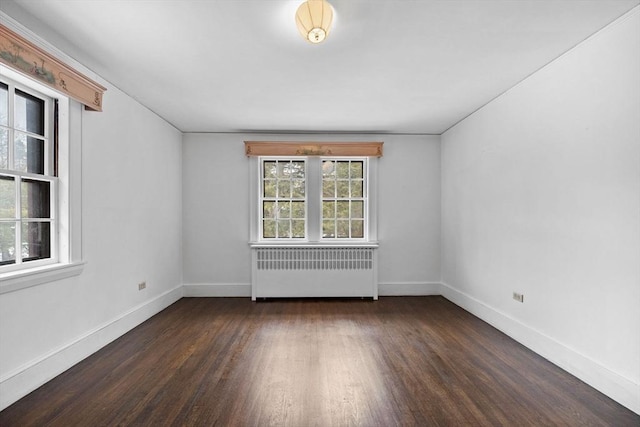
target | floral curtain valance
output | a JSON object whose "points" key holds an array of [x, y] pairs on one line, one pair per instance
{"points": [[346, 149], [23, 56]]}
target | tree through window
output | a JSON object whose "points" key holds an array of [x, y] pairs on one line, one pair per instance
{"points": [[27, 184], [343, 199], [313, 197], [284, 199]]}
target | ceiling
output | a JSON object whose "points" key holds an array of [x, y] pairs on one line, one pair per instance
{"points": [[388, 66]]}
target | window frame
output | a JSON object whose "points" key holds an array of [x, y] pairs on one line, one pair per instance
{"points": [[20, 262], [313, 205], [350, 199], [276, 199], [66, 206]]}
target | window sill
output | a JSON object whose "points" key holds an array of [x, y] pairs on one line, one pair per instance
{"points": [[331, 244], [16, 280]]}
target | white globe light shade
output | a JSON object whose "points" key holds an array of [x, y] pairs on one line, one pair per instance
{"points": [[314, 18]]}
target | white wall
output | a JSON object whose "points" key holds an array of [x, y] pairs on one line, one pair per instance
{"points": [[216, 211], [132, 221], [541, 195]]}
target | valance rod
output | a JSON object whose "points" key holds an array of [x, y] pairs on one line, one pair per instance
{"points": [[25, 57], [339, 149]]}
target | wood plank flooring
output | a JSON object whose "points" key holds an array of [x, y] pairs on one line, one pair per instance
{"points": [[399, 361]]}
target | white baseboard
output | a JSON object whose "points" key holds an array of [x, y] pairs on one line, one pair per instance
{"points": [[244, 289], [388, 289], [217, 290], [23, 380], [617, 387]]}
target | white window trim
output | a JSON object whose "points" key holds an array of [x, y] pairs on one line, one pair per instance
{"points": [[255, 180], [68, 205], [320, 197], [261, 198], [46, 176]]}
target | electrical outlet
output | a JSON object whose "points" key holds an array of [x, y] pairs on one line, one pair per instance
{"points": [[518, 297], [142, 285]]}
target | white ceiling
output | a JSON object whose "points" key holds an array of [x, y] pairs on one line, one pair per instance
{"points": [[388, 66]]}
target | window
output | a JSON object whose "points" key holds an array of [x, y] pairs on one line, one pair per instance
{"points": [[313, 199], [41, 165], [284, 199], [40, 183], [343, 199], [28, 187]]}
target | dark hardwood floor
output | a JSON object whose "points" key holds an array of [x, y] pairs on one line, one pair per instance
{"points": [[398, 361]]}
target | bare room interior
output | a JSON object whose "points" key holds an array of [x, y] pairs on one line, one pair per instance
{"points": [[321, 212]]}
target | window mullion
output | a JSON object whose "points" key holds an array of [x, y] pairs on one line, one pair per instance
{"points": [[314, 198], [48, 131], [18, 223], [10, 122], [53, 220], [370, 220]]}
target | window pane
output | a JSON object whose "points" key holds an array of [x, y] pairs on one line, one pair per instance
{"points": [[36, 240], [284, 228], [328, 188], [4, 104], [356, 189], [270, 189], [297, 170], [328, 169], [342, 229], [269, 169], [328, 228], [284, 209], [7, 242], [342, 170], [297, 210], [328, 209], [342, 209], [269, 229], [29, 113], [268, 209], [284, 189], [342, 189], [4, 149], [35, 198], [357, 170], [357, 209], [7, 197], [357, 228], [29, 154], [298, 229], [298, 189], [283, 170]]}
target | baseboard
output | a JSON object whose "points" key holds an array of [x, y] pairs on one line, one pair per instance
{"points": [[244, 289], [217, 290], [388, 289], [23, 380], [617, 387]]}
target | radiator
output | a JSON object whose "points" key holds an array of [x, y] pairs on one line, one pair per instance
{"points": [[291, 272]]}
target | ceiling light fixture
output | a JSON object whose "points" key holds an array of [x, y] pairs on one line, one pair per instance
{"points": [[313, 19]]}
